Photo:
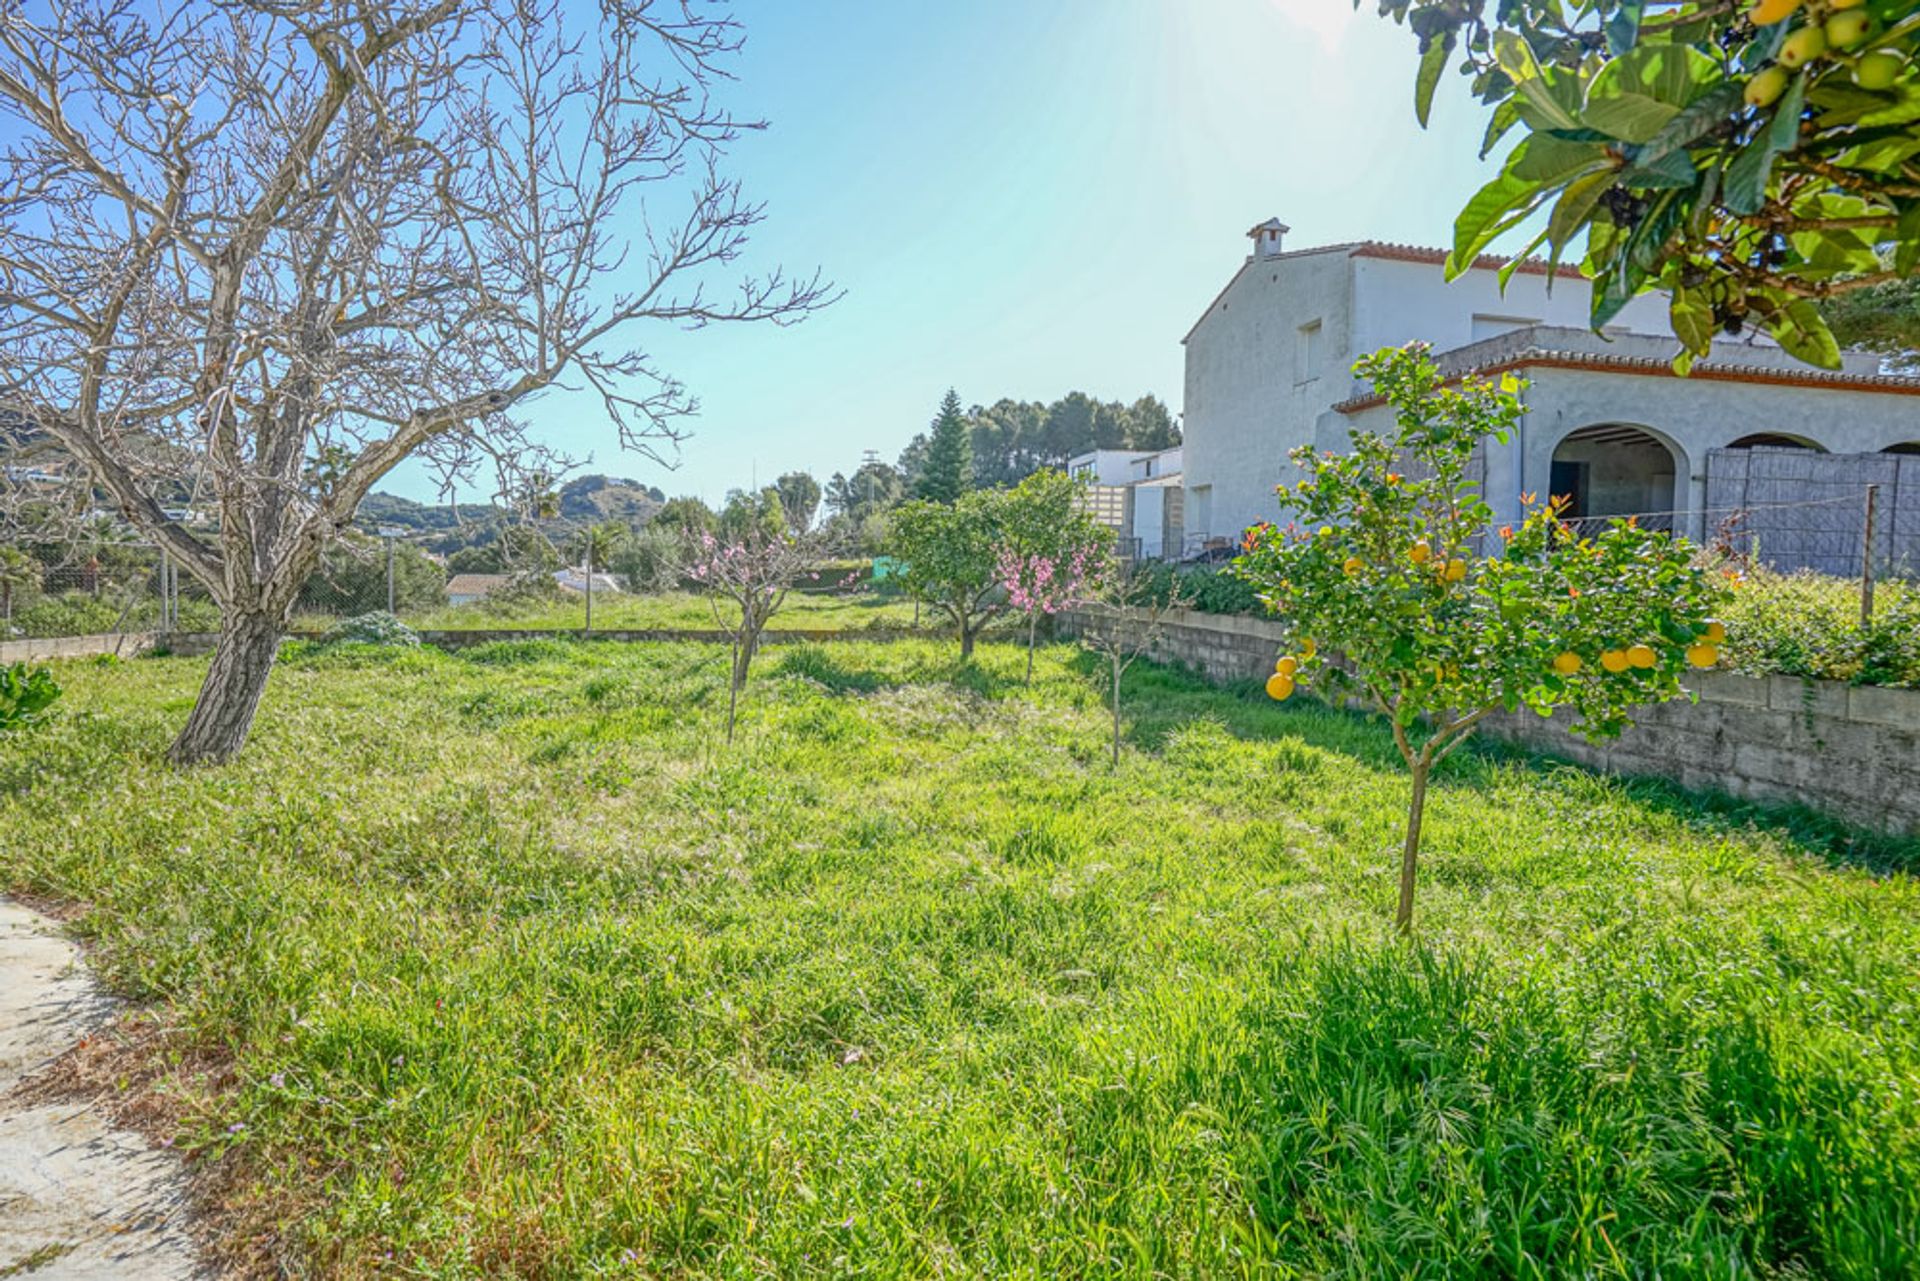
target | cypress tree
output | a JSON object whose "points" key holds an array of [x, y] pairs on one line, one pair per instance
{"points": [[949, 468]]}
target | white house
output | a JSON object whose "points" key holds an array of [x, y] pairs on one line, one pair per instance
{"points": [[1608, 423], [1138, 492]]}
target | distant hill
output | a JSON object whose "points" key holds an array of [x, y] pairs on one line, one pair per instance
{"points": [[597, 498], [441, 528]]}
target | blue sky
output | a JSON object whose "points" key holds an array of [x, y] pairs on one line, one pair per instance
{"points": [[1025, 198]]}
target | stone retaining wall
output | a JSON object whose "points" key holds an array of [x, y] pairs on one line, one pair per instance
{"points": [[1852, 751]]}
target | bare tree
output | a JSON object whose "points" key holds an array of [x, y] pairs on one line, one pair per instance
{"points": [[255, 253], [1129, 608]]}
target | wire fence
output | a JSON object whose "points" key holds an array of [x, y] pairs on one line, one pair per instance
{"points": [[112, 587]]}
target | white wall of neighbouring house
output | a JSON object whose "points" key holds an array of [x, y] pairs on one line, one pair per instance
{"points": [[1399, 302], [1263, 362]]}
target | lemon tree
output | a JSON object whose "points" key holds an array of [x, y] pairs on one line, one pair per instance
{"points": [[1398, 591], [1751, 159]]}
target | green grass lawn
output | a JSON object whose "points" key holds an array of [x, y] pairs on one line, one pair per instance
{"points": [[675, 610], [520, 972]]}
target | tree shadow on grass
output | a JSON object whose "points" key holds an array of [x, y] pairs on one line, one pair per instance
{"points": [[1157, 700], [842, 671], [1833, 840]]}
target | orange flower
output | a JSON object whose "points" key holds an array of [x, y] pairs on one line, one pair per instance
{"points": [[1526, 499], [1506, 532]]}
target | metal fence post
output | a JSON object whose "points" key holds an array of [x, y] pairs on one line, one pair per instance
{"points": [[1866, 558]]}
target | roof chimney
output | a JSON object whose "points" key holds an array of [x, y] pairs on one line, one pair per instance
{"points": [[1267, 238]]}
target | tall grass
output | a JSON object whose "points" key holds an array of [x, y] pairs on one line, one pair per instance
{"points": [[521, 973]]}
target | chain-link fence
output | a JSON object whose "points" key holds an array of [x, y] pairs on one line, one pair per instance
{"points": [[90, 588]]}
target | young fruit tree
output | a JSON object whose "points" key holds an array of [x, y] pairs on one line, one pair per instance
{"points": [[1050, 548], [1751, 159], [948, 557], [1396, 590], [746, 580], [254, 255], [1130, 609]]}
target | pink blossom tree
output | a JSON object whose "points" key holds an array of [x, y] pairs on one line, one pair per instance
{"points": [[1047, 548], [746, 580], [1042, 583]]}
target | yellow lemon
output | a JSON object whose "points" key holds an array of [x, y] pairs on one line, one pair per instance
{"points": [[1716, 632], [1567, 663], [1703, 655], [1420, 553], [1353, 565], [1456, 570], [1287, 665], [1642, 656], [1308, 648], [1279, 688], [1768, 12], [1614, 660]]}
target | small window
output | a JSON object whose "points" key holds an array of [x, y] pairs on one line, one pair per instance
{"points": [[1308, 352]]}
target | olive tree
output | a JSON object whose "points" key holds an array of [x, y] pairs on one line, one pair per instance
{"points": [[255, 254], [1396, 589], [1751, 159]]}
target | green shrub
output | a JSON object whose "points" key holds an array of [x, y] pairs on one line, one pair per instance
{"points": [[375, 628], [1210, 591], [25, 695], [1808, 624]]}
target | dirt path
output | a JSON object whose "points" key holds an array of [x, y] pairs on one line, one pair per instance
{"points": [[79, 1199]]}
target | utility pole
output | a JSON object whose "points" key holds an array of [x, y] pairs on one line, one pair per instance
{"points": [[390, 533]]}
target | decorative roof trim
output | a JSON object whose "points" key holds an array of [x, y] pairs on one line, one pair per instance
{"points": [[1647, 366], [1394, 252]]}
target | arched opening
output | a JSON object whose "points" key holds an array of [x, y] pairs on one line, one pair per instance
{"points": [[1614, 469], [1776, 440], [1904, 447]]}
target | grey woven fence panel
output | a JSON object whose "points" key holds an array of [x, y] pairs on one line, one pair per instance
{"points": [[1798, 509]]}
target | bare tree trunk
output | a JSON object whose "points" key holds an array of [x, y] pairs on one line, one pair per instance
{"points": [[217, 727], [1409, 855], [1033, 621], [966, 639], [742, 660]]}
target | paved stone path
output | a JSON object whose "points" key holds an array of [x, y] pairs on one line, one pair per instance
{"points": [[79, 1199]]}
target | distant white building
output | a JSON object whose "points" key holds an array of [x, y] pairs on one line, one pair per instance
{"points": [[1608, 423], [1138, 493]]}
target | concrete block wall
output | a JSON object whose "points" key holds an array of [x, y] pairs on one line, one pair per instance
{"points": [[1851, 751]]}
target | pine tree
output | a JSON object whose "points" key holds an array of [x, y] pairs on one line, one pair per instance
{"points": [[949, 467]]}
